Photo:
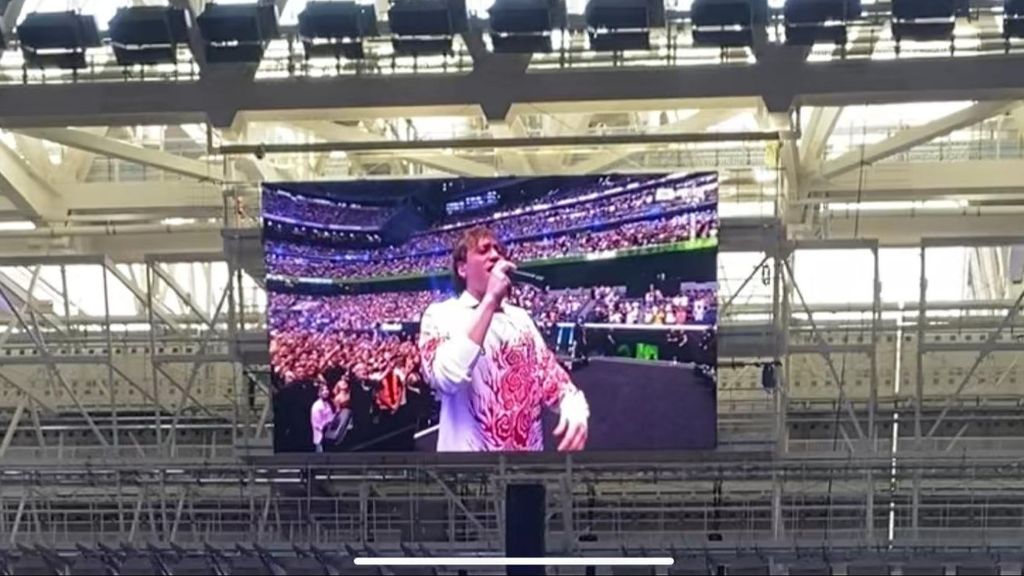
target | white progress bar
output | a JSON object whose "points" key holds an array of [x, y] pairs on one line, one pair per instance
{"points": [[506, 561]]}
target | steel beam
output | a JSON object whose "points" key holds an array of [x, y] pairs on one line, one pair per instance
{"points": [[51, 369], [357, 138], [159, 310], [696, 123], [984, 353], [820, 125], [28, 191], [779, 81], [12, 427], [910, 137], [114, 148]]}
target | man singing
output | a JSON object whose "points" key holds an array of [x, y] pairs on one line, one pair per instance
{"points": [[488, 362]]}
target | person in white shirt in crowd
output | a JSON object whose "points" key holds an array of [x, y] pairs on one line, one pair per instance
{"points": [[488, 363], [320, 415]]}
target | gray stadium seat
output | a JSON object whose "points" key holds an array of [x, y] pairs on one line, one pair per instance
{"points": [[415, 570], [190, 567], [363, 571], [748, 567], [977, 569], [137, 565], [633, 570], [923, 568], [302, 567], [243, 566], [89, 567], [868, 569], [809, 568], [31, 566], [690, 568]]}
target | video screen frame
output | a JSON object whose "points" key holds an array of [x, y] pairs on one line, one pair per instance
{"points": [[297, 279]]}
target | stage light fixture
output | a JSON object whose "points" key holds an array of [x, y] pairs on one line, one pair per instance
{"points": [[57, 39], [923, 20], [525, 26], [148, 34], [424, 27], [1013, 19], [811, 21], [238, 33], [336, 29], [616, 25], [726, 23]]}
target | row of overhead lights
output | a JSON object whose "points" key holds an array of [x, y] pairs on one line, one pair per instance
{"points": [[240, 32]]}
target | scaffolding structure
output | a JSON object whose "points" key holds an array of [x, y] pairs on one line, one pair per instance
{"points": [[162, 434]]}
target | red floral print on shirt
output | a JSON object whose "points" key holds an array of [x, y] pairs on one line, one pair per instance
{"points": [[508, 410]]}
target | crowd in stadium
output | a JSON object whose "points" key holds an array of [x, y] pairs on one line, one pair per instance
{"points": [[321, 242], [286, 207], [338, 341], [696, 303], [283, 260], [305, 330], [529, 222], [532, 231], [331, 340]]}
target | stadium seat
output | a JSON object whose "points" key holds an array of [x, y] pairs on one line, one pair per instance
{"points": [[302, 566], [89, 567], [633, 571], [868, 568], [138, 565], [977, 569], [923, 568], [190, 567], [244, 566], [31, 566], [690, 568], [809, 568]]}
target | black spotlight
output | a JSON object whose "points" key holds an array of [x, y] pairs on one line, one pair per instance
{"points": [[234, 33], [923, 19], [57, 39], [148, 34], [423, 27], [525, 26], [810, 21], [336, 29], [727, 23], [615, 25], [1013, 19]]}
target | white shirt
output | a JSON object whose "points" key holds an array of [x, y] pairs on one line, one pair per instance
{"points": [[491, 396], [320, 415]]}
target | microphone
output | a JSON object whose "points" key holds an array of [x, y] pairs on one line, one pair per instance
{"points": [[527, 278]]}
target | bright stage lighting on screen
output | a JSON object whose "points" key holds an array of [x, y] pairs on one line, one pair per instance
{"points": [[57, 39], [238, 33], [148, 34], [369, 283]]}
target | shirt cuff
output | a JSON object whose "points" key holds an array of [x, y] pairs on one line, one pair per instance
{"points": [[464, 351], [574, 405]]}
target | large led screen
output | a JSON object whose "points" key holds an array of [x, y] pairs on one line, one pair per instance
{"points": [[493, 315]]}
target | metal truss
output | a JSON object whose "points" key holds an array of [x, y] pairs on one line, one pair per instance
{"points": [[171, 443]]}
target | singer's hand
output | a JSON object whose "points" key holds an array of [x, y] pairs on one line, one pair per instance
{"points": [[498, 284]]}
